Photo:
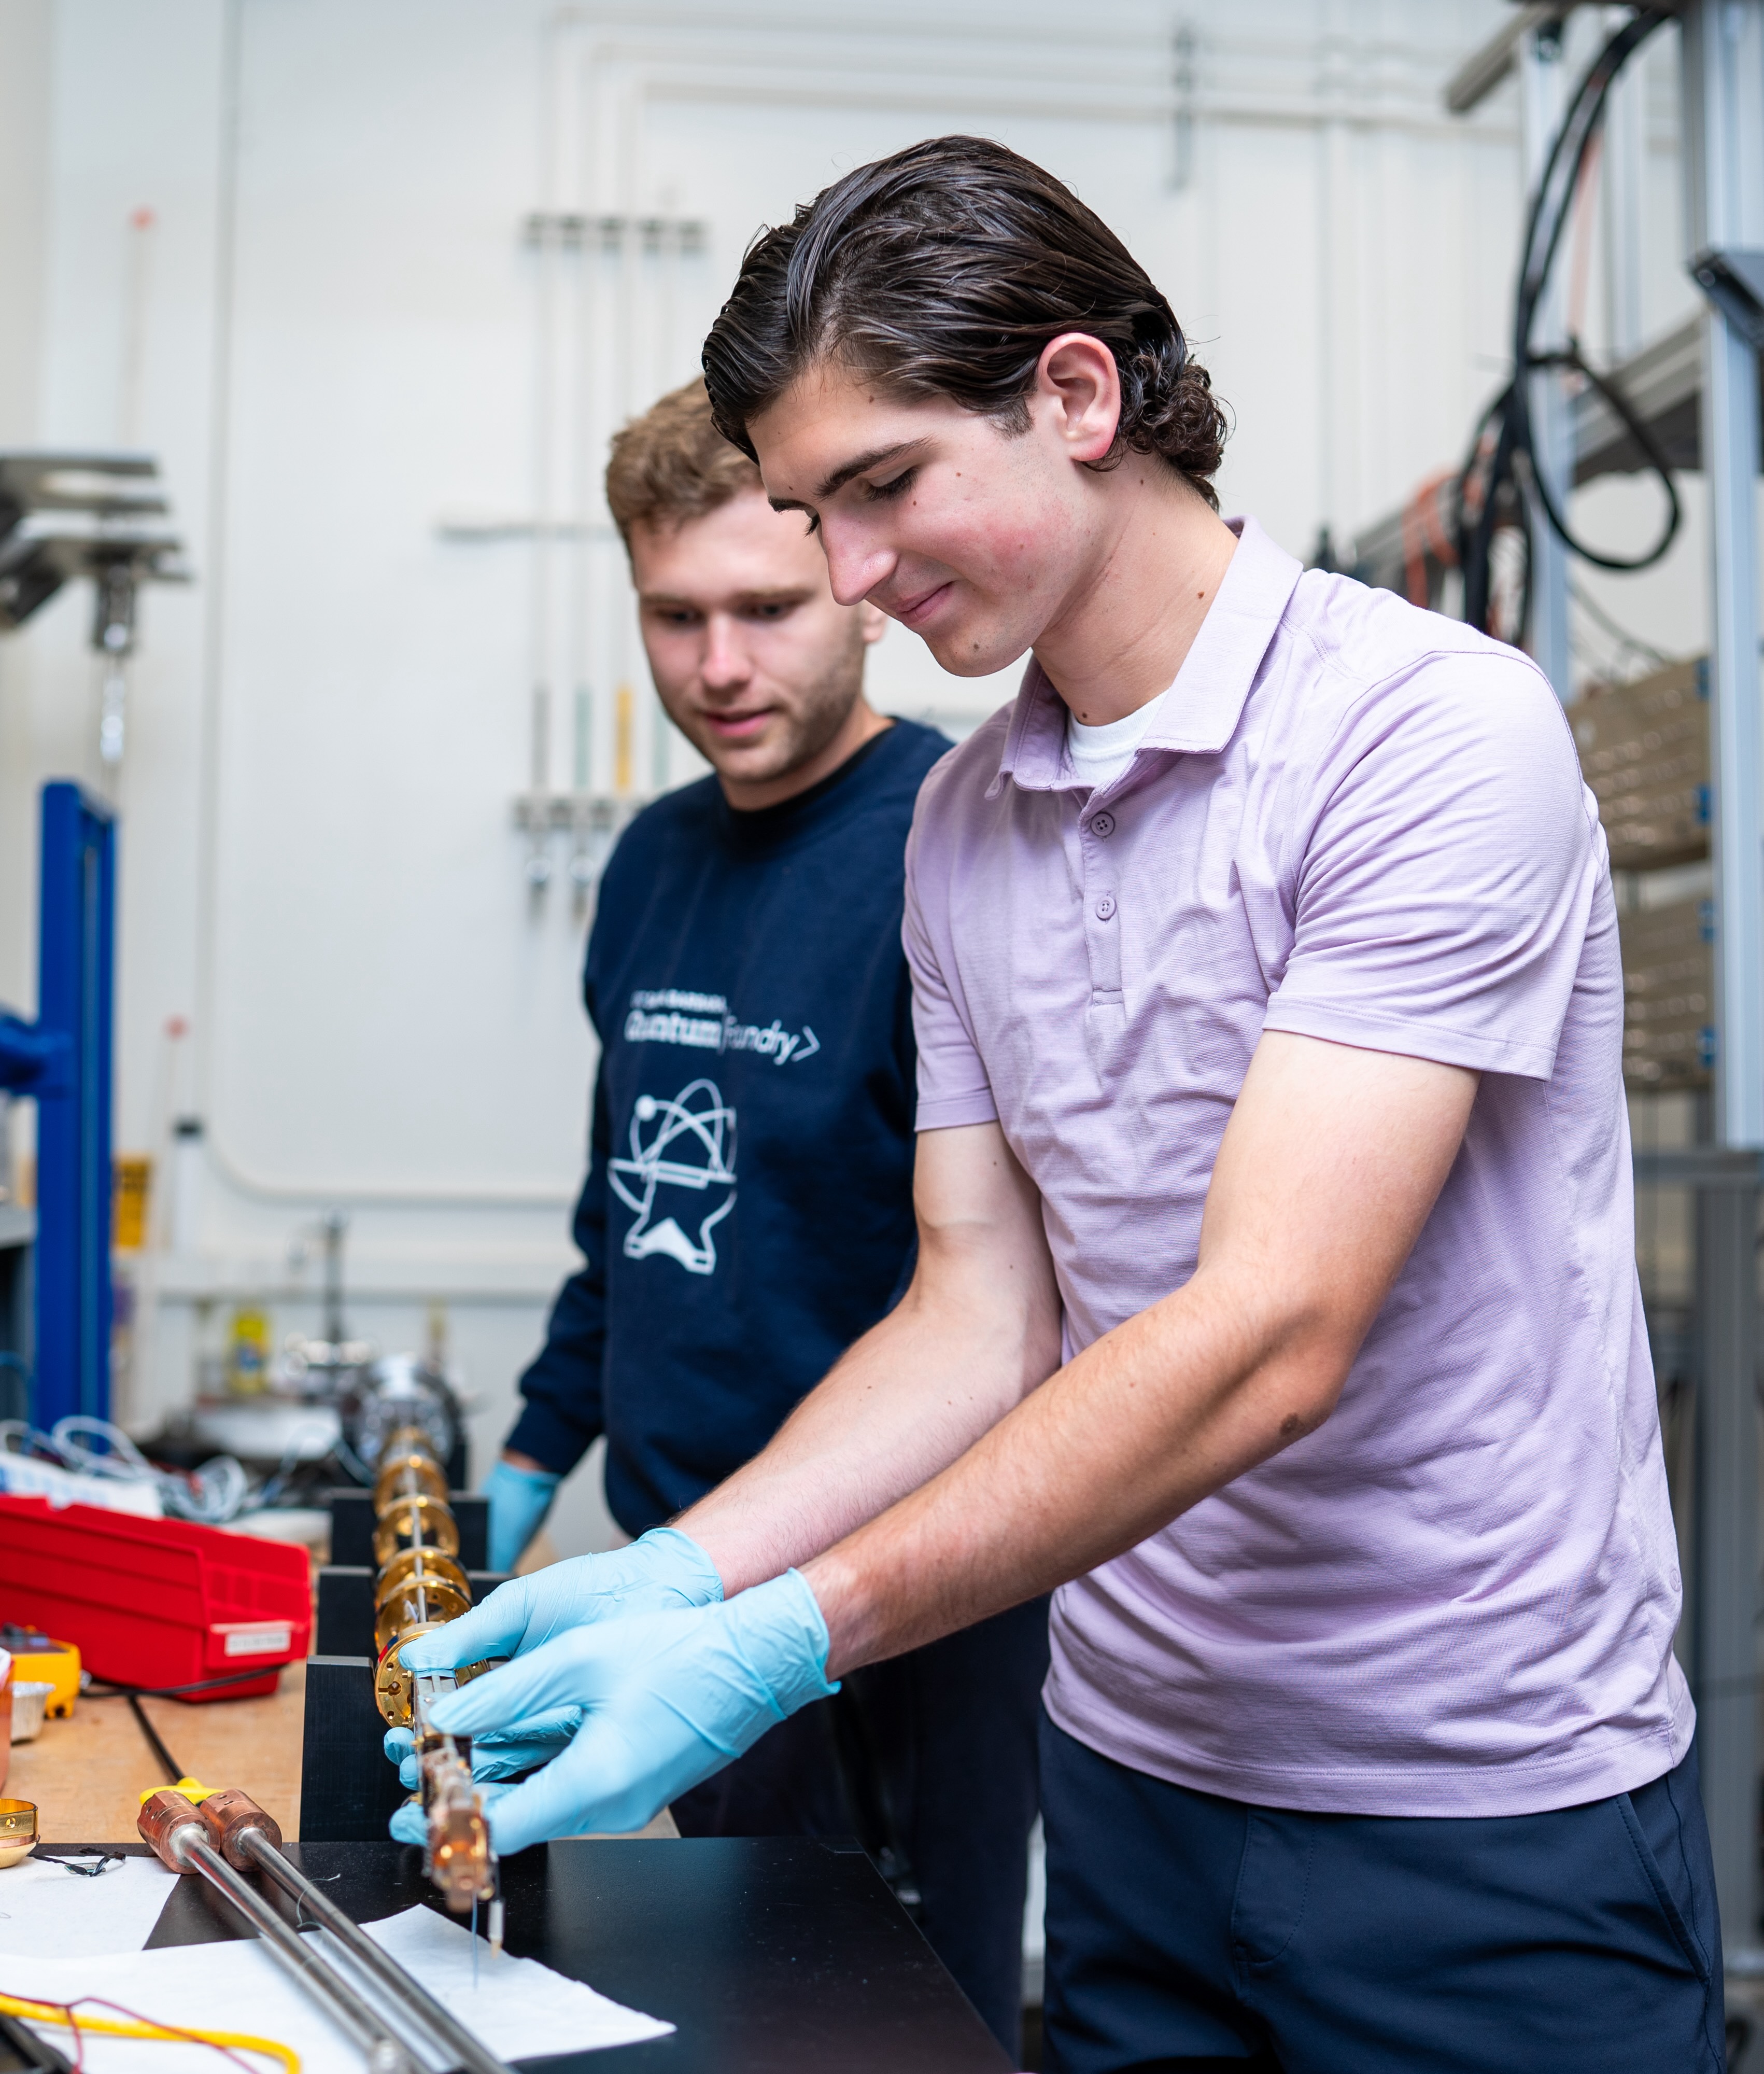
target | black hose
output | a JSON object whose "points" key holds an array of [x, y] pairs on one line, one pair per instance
{"points": [[1501, 468], [105, 1688], [173, 1771]]}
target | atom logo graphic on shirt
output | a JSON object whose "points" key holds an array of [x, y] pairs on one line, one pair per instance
{"points": [[681, 1167]]}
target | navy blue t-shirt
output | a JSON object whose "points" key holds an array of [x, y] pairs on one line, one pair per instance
{"points": [[747, 1212]]}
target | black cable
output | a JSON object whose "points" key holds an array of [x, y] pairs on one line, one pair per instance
{"points": [[1642, 433], [21, 2049], [1501, 468], [105, 1688], [173, 1771], [102, 1861]]}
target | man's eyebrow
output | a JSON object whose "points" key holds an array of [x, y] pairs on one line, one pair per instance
{"points": [[841, 476], [784, 594]]}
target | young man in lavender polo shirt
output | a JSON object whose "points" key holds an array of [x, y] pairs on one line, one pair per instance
{"points": [[1275, 1296]]}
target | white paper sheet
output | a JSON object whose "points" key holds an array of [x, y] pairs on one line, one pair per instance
{"points": [[519, 2008], [46, 1909]]}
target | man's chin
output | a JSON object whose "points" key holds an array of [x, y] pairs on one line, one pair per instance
{"points": [[974, 652], [739, 753], [756, 762]]}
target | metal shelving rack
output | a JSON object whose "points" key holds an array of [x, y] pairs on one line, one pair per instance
{"points": [[1699, 390], [18, 1230]]}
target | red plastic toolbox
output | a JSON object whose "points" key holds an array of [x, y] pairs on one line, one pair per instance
{"points": [[155, 1602]]}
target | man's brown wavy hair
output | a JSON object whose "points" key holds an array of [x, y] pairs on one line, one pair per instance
{"points": [[672, 464], [944, 271]]}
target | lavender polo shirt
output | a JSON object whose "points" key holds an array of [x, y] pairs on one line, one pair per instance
{"points": [[1357, 821]]}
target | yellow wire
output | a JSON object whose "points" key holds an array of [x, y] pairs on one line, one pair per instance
{"points": [[56, 2013]]}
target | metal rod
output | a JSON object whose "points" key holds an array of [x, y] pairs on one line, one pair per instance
{"points": [[445, 2028], [1725, 99], [1723, 79], [387, 2053], [1543, 94]]}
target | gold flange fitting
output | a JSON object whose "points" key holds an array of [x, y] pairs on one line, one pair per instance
{"points": [[391, 1681], [414, 1522], [410, 1475], [416, 1609], [427, 1566], [17, 1830]]}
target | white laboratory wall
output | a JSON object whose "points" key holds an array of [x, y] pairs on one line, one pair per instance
{"points": [[368, 388]]}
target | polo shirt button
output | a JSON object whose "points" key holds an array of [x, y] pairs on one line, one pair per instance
{"points": [[1105, 907], [1102, 823]]}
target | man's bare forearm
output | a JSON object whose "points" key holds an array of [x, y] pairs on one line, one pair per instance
{"points": [[937, 1477], [1330, 1167], [977, 1330], [911, 1397], [1152, 1417]]}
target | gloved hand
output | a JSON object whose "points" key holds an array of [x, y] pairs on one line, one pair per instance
{"points": [[410, 1825], [666, 1698], [664, 1571], [496, 1757], [519, 1501]]}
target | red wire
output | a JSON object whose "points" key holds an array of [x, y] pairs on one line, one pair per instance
{"points": [[134, 2016]]}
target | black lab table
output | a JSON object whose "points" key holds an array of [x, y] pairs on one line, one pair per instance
{"points": [[770, 1954]]}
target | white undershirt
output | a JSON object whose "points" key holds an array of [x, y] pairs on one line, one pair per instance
{"points": [[1098, 755]]}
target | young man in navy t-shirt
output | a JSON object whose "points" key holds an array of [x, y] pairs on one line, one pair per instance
{"points": [[748, 1209]]}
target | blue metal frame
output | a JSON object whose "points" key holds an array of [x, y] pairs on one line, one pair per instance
{"points": [[63, 1060]]}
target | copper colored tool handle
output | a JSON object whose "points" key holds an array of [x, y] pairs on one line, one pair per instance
{"points": [[227, 1816], [169, 1822], [177, 1833]]}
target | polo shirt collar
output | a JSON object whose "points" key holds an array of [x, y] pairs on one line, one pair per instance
{"points": [[1199, 713]]}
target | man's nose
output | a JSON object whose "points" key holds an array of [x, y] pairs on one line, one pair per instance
{"points": [[727, 664], [856, 565]]}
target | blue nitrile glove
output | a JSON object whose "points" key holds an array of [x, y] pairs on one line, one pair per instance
{"points": [[410, 1825], [523, 1749], [667, 1700], [519, 1501], [663, 1573]]}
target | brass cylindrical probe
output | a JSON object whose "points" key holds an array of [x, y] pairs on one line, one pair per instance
{"points": [[421, 1587], [416, 1544]]}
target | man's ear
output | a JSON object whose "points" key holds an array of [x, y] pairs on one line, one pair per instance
{"points": [[1078, 389], [872, 621]]}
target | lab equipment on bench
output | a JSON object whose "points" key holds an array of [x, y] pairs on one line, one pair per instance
{"points": [[42, 1660], [219, 1835], [17, 1830], [157, 1604], [30, 1705], [420, 1587]]}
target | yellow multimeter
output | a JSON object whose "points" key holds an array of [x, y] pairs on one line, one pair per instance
{"points": [[37, 1660]]}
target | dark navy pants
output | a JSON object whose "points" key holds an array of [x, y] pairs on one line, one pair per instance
{"points": [[929, 1760], [1185, 1931]]}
